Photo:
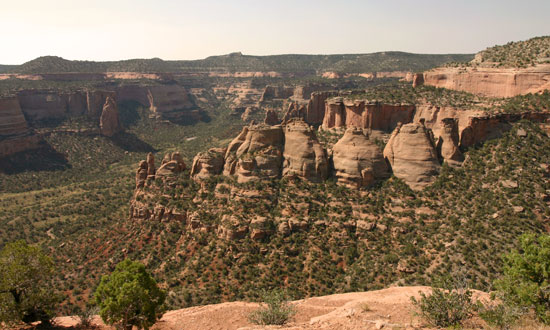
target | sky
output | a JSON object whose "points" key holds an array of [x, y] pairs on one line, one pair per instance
{"points": [[103, 30]]}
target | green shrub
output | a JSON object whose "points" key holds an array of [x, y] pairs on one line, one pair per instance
{"points": [[276, 311], [500, 315], [526, 279], [129, 297], [449, 304]]}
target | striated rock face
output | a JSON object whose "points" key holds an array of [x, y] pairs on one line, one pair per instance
{"points": [[207, 164], [12, 120], [303, 154], [493, 82], [358, 162], [412, 155], [335, 114], [447, 144], [248, 112], [172, 163], [316, 107], [271, 117], [433, 116], [171, 102], [109, 123], [15, 135], [48, 104], [258, 154], [340, 112]]}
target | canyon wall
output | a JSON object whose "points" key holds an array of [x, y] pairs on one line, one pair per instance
{"points": [[341, 112], [15, 134], [493, 82]]}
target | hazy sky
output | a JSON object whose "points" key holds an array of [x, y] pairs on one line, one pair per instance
{"points": [[169, 29]]}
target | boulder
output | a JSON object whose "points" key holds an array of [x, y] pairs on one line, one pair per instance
{"points": [[207, 164], [412, 155], [303, 154], [358, 161], [109, 123]]}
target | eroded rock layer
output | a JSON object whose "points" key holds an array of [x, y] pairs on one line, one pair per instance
{"points": [[494, 82]]}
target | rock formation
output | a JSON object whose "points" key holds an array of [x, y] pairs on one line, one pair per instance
{"points": [[316, 106], [172, 163], [271, 117], [109, 123], [488, 81], [358, 161], [15, 134], [171, 102], [141, 174], [412, 155], [447, 143], [95, 100], [255, 154], [276, 92], [151, 169], [342, 112], [303, 154], [207, 164], [295, 110]]}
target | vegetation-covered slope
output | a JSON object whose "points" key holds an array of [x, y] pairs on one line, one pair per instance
{"points": [[345, 240], [384, 61], [518, 54]]}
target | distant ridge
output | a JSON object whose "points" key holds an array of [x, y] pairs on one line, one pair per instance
{"points": [[349, 63]]}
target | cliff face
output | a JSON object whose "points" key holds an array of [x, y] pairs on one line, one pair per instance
{"points": [[433, 115], [340, 112], [49, 104], [171, 101], [493, 82], [15, 135], [316, 107]]}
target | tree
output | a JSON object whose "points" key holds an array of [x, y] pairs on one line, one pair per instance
{"points": [[526, 279], [129, 297], [26, 291]]}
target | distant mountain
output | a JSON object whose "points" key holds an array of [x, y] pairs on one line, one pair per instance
{"points": [[349, 63], [6, 68]]}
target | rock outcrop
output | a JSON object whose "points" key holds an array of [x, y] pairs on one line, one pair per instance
{"points": [[316, 106], [271, 117], [15, 134], [303, 154], [172, 163], [341, 112], [489, 81], [358, 161], [109, 122], [255, 154], [447, 143], [171, 102], [412, 155], [207, 164], [276, 92]]}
